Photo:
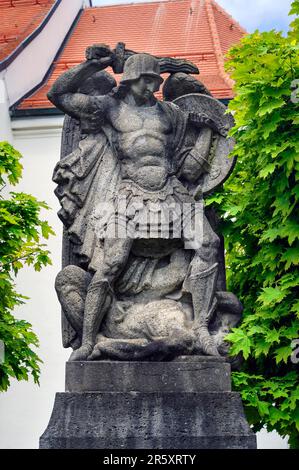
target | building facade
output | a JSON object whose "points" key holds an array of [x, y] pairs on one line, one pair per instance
{"points": [[40, 39]]}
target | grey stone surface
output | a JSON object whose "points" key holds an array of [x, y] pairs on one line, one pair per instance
{"points": [[186, 403], [143, 278], [139, 420], [177, 376], [150, 289]]}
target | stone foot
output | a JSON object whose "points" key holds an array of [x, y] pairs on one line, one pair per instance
{"points": [[82, 353], [206, 341]]}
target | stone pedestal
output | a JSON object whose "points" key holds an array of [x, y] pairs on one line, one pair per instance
{"points": [[183, 404]]}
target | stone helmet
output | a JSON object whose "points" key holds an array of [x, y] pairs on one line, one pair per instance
{"points": [[141, 64]]}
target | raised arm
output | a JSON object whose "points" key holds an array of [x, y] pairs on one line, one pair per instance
{"points": [[196, 161], [64, 93]]}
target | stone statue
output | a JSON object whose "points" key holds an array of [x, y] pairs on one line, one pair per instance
{"points": [[143, 274]]}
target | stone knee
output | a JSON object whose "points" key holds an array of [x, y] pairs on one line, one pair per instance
{"points": [[206, 254], [210, 247], [72, 278], [116, 255], [107, 273], [71, 287]]}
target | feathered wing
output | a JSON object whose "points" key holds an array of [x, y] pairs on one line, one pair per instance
{"points": [[87, 175], [70, 139]]}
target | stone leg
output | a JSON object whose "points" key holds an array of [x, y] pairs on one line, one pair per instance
{"points": [[201, 283], [100, 294]]}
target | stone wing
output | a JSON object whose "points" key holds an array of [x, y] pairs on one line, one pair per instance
{"points": [[99, 84]]}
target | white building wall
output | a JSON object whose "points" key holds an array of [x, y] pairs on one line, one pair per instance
{"points": [[25, 409], [5, 124]]}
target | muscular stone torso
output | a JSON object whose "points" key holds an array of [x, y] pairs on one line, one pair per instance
{"points": [[142, 136]]}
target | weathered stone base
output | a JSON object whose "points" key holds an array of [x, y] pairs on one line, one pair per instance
{"points": [[185, 404]]}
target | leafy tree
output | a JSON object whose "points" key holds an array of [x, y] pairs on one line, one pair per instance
{"points": [[21, 231], [259, 212]]}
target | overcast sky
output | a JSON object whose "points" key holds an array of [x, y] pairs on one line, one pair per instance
{"points": [[251, 14]]}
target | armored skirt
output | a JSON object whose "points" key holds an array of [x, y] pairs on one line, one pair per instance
{"points": [[136, 212]]}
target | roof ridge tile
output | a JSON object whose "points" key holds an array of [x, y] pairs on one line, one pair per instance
{"points": [[222, 10], [218, 49]]}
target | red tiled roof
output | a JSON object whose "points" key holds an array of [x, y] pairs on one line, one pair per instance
{"points": [[198, 30], [19, 18]]}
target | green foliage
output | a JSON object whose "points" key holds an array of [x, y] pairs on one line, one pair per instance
{"points": [[294, 30], [259, 210], [271, 401], [20, 233]]}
